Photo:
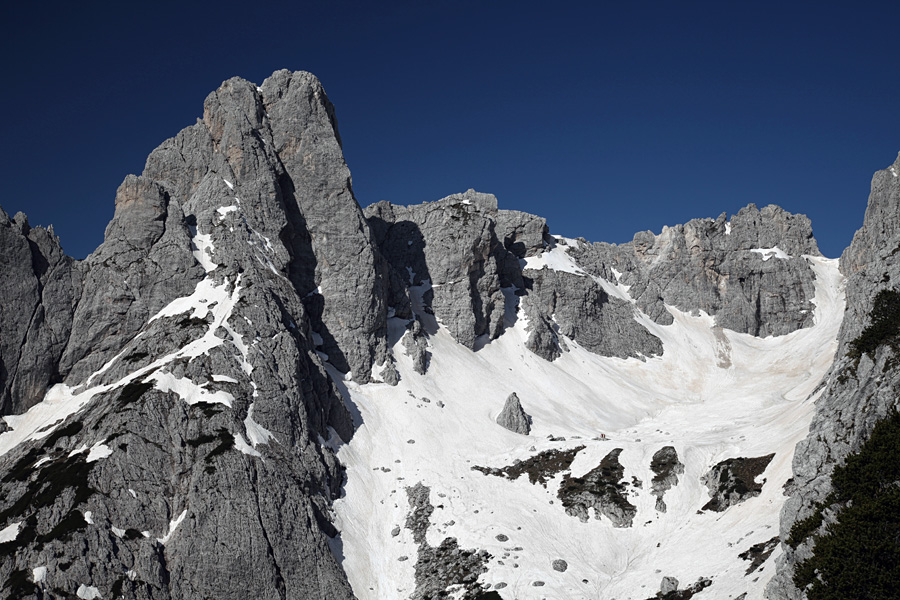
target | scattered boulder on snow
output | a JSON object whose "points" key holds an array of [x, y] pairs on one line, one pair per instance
{"points": [[389, 374], [514, 417], [668, 584], [416, 346], [560, 565], [759, 553]]}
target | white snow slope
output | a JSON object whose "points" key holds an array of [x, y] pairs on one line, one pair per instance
{"points": [[714, 394]]}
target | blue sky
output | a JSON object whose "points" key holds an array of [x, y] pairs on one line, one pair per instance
{"points": [[605, 118]]}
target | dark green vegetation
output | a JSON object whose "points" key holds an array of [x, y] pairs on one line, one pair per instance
{"points": [[858, 556], [884, 327], [540, 467], [759, 553]]}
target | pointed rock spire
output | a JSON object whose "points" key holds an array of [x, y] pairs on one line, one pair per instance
{"points": [[514, 417]]}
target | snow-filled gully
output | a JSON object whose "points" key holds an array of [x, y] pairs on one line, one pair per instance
{"points": [[714, 394]]}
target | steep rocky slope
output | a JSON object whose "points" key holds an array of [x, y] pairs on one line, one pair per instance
{"points": [[861, 388], [255, 385]]}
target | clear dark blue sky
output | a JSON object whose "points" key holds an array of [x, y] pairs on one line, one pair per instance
{"points": [[606, 118]]}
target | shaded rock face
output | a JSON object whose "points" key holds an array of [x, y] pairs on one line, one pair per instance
{"points": [[720, 267], [513, 416], [579, 308], [857, 394], [734, 480], [467, 250], [602, 489], [38, 296]]}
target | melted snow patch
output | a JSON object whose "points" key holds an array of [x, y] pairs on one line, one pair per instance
{"points": [[728, 228], [768, 253], [10, 532], [189, 391], [893, 171], [224, 379], [173, 525], [87, 592], [88, 517], [228, 183]]}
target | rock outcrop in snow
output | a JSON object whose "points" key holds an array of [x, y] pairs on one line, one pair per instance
{"points": [[513, 416]]}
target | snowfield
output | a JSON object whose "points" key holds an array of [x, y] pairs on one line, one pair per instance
{"points": [[713, 395]]}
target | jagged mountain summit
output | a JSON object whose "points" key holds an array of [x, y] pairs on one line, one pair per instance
{"points": [[256, 386]]}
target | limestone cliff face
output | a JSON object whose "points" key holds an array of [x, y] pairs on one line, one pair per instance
{"points": [[184, 458], [466, 249], [855, 397], [38, 295], [731, 269]]}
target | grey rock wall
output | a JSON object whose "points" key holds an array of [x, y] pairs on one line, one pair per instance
{"points": [[193, 496], [855, 397], [466, 248], [38, 296], [710, 265]]}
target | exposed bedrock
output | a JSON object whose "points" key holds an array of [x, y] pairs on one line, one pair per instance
{"points": [[38, 296], [728, 269], [861, 387]]}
